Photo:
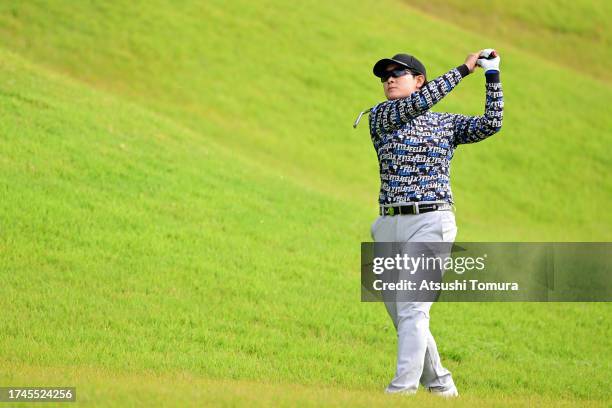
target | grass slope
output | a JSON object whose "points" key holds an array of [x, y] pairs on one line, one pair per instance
{"points": [[153, 222], [574, 34], [281, 83]]}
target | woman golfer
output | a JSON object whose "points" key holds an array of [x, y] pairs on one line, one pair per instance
{"points": [[414, 148]]}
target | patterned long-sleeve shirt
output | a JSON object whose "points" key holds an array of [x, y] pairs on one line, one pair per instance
{"points": [[415, 146]]}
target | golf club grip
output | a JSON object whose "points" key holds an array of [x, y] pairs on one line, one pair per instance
{"points": [[491, 56]]}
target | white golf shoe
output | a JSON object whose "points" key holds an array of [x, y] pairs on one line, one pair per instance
{"points": [[450, 393]]}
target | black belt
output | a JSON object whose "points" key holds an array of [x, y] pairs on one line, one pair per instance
{"points": [[415, 208]]}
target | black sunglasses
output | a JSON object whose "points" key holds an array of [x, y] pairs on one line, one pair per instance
{"points": [[395, 73]]}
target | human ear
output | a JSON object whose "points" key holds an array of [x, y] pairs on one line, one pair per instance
{"points": [[420, 80]]}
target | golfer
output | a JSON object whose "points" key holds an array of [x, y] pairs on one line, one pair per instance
{"points": [[414, 148]]}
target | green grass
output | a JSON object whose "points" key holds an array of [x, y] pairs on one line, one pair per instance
{"points": [[302, 78], [100, 387], [175, 222], [573, 34]]}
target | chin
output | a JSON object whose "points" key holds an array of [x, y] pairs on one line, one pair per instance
{"points": [[398, 95]]}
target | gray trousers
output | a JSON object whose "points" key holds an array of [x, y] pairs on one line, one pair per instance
{"points": [[418, 360]]}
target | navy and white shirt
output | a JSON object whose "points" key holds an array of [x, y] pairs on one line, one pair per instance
{"points": [[415, 146]]}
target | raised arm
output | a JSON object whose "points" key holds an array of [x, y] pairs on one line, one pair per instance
{"points": [[393, 114], [471, 129]]}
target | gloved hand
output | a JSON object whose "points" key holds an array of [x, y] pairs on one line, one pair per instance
{"points": [[489, 60]]}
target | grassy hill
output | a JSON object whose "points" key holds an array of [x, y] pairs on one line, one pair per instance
{"points": [[573, 34], [184, 197]]}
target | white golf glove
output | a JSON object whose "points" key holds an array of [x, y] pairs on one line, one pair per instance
{"points": [[488, 60]]}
